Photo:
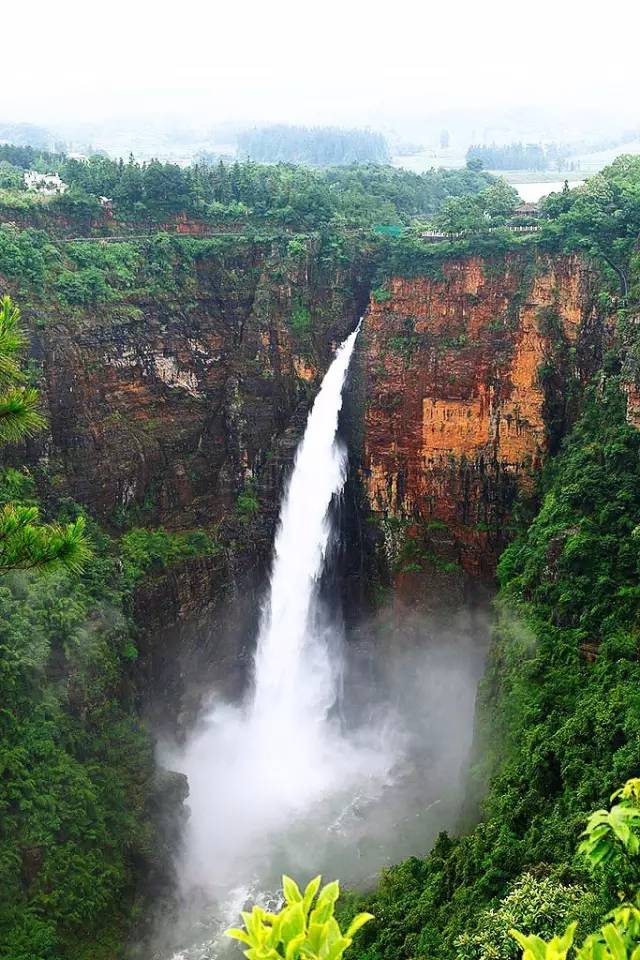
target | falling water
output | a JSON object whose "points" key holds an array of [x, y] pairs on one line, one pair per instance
{"points": [[254, 771], [294, 680], [278, 783]]}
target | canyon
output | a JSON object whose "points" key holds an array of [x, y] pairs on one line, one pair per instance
{"points": [[176, 405], [166, 411]]}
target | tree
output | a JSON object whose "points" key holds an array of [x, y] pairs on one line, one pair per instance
{"points": [[11, 178], [302, 929], [612, 838], [602, 218], [540, 905], [459, 214], [19, 414], [25, 543], [500, 199]]}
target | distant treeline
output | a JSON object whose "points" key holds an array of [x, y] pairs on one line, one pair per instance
{"points": [[248, 193], [31, 158], [317, 146], [518, 156]]}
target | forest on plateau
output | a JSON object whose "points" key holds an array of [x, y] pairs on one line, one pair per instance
{"points": [[317, 146], [88, 821]]}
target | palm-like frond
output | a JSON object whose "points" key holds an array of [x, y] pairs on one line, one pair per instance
{"points": [[25, 542]]}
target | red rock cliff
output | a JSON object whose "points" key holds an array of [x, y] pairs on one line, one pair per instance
{"points": [[465, 379]]}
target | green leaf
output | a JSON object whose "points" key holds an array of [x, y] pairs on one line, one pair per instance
{"points": [[315, 936], [310, 892], [236, 934], [293, 922], [533, 947], [358, 922], [337, 948], [615, 942], [291, 890], [292, 951], [325, 902]]}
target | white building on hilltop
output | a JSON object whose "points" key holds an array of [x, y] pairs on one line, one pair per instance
{"points": [[44, 182]]}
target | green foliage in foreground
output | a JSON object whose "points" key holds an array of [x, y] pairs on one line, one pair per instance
{"points": [[19, 416], [557, 731], [543, 904], [539, 907], [304, 928], [76, 768], [26, 543], [77, 771], [611, 837]]}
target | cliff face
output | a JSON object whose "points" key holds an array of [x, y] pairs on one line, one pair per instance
{"points": [[468, 380], [161, 411], [165, 409]]}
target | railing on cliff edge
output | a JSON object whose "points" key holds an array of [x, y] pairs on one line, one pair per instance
{"points": [[431, 236], [437, 235]]}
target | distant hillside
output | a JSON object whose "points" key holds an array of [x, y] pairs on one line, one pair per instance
{"points": [[26, 135], [316, 146]]}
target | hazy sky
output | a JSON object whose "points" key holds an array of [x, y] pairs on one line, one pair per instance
{"points": [[342, 61]]}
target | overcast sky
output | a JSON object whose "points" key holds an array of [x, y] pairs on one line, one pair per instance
{"points": [[341, 61]]}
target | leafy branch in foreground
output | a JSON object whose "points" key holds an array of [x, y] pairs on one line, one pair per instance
{"points": [[609, 837], [26, 543], [621, 824], [19, 416], [301, 929]]}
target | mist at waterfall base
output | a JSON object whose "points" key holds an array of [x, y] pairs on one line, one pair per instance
{"points": [[343, 758]]}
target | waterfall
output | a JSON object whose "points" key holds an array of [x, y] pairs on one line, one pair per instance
{"points": [[257, 770], [294, 680], [279, 783]]}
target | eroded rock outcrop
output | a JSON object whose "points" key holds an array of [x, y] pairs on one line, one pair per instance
{"points": [[468, 379], [165, 407]]}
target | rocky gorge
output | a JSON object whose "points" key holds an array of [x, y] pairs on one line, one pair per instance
{"points": [[177, 373], [166, 413]]}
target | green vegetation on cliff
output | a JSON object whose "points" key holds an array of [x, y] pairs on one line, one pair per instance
{"points": [[282, 195], [78, 781], [559, 713], [238, 195], [559, 717], [77, 768], [600, 220], [80, 791]]}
